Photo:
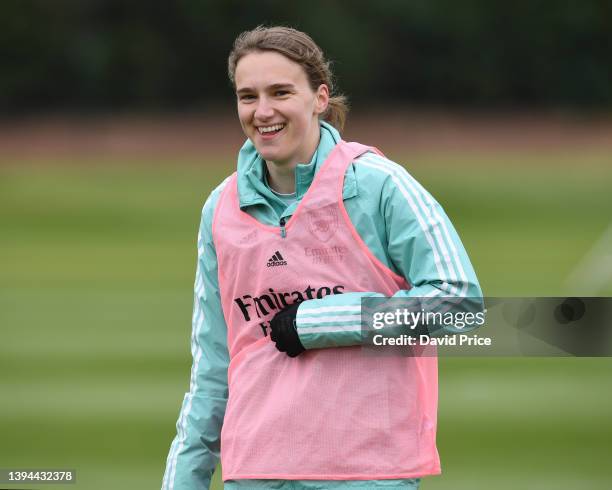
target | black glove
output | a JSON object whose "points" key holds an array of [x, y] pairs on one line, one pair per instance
{"points": [[284, 332]]}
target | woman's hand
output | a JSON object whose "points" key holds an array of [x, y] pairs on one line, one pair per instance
{"points": [[284, 333]]}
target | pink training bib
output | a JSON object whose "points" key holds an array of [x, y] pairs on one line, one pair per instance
{"points": [[328, 414]]}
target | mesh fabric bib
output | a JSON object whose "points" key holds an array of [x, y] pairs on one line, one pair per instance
{"points": [[328, 414]]}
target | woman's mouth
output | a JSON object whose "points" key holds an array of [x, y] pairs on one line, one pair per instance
{"points": [[268, 132]]}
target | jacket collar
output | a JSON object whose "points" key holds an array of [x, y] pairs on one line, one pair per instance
{"points": [[252, 189]]}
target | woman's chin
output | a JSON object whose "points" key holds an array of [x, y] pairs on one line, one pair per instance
{"points": [[272, 156]]}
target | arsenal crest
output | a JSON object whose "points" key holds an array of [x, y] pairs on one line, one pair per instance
{"points": [[323, 222]]}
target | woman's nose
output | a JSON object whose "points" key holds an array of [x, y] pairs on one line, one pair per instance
{"points": [[264, 109]]}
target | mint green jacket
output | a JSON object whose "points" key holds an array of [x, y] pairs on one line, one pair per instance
{"points": [[402, 225]]}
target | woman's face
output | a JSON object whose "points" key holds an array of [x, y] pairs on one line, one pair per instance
{"points": [[278, 110]]}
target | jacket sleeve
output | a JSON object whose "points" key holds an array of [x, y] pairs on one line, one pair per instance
{"points": [[422, 246], [195, 451]]}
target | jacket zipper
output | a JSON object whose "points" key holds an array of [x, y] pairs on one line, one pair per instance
{"points": [[283, 232]]}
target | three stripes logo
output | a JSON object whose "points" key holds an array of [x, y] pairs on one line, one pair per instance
{"points": [[276, 260]]}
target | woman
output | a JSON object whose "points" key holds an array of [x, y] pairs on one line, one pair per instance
{"points": [[288, 246]]}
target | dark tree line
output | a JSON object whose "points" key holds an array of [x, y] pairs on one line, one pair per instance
{"points": [[136, 55]]}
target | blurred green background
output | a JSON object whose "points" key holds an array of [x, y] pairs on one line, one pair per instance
{"points": [[97, 237]]}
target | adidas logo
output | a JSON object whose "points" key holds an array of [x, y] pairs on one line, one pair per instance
{"points": [[276, 260]]}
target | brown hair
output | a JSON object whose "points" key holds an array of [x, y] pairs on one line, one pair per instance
{"points": [[300, 48]]}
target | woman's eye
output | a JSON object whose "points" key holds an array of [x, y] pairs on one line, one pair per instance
{"points": [[247, 97], [281, 93]]}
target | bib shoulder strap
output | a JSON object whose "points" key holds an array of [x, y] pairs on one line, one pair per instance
{"points": [[330, 179]]}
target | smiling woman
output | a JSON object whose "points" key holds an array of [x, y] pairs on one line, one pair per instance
{"points": [[279, 112], [283, 91], [280, 388]]}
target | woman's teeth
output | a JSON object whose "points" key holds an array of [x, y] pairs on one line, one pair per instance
{"points": [[270, 129]]}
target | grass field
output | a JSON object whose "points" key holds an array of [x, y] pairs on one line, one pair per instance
{"points": [[96, 273]]}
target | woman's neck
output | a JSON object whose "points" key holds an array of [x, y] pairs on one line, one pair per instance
{"points": [[281, 178]]}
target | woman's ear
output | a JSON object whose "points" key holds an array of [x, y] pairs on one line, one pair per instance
{"points": [[321, 99]]}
